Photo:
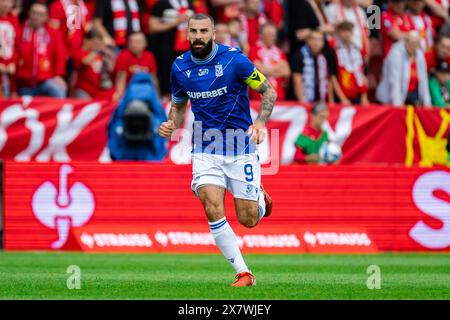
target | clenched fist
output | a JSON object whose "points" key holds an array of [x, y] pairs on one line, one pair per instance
{"points": [[166, 128], [256, 132]]}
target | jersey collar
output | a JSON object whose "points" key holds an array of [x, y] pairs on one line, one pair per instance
{"points": [[209, 57]]}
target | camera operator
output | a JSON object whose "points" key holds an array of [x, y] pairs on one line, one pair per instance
{"points": [[133, 129]]}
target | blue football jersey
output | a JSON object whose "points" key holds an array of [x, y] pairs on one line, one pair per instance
{"points": [[217, 89]]}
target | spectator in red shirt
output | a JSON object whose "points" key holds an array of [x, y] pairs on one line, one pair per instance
{"points": [[252, 19], [9, 26], [42, 57], [133, 59], [439, 53], [71, 17], [395, 24], [271, 61], [93, 66]]}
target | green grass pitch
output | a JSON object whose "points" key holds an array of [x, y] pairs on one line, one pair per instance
{"points": [[43, 275]]}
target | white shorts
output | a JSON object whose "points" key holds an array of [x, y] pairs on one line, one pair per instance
{"points": [[241, 175]]}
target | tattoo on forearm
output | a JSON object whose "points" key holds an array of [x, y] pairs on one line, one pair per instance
{"points": [[176, 113], [268, 100]]}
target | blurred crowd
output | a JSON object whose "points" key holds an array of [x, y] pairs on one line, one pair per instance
{"points": [[340, 51]]}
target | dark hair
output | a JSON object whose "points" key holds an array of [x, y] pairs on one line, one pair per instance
{"points": [[318, 106], [442, 35], [345, 26], [201, 16]]}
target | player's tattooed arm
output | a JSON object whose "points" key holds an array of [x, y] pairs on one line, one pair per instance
{"points": [[268, 100], [257, 81], [176, 113], [176, 116]]}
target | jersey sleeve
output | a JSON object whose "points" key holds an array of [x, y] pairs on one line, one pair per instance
{"points": [[247, 71], [179, 96]]}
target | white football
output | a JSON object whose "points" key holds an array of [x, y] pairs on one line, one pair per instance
{"points": [[330, 152]]}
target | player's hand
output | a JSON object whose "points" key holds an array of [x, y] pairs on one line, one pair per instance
{"points": [[256, 132], [166, 129]]}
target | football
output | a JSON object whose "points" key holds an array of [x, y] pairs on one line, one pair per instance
{"points": [[330, 152]]}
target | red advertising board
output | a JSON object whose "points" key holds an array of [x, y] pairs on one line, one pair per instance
{"points": [[142, 207]]}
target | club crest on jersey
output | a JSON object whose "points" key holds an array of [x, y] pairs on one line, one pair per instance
{"points": [[249, 189], [188, 73], [202, 72], [219, 70]]}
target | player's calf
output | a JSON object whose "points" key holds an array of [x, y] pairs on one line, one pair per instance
{"points": [[247, 212], [248, 221]]}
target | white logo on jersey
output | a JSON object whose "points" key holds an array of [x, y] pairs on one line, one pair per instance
{"points": [[219, 71], [188, 73], [202, 72], [232, 49], [180, 57], [207, 94]]}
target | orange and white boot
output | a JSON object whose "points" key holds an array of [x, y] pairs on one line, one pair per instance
{"points": [[244, 279]]}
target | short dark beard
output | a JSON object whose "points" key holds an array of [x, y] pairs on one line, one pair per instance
{"points": [[203, 52]]}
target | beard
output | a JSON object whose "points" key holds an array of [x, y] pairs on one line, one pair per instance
{"points": [[202, 52]]}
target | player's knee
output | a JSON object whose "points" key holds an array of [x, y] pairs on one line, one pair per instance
{"points": [[248, 219], [214, 210]]}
